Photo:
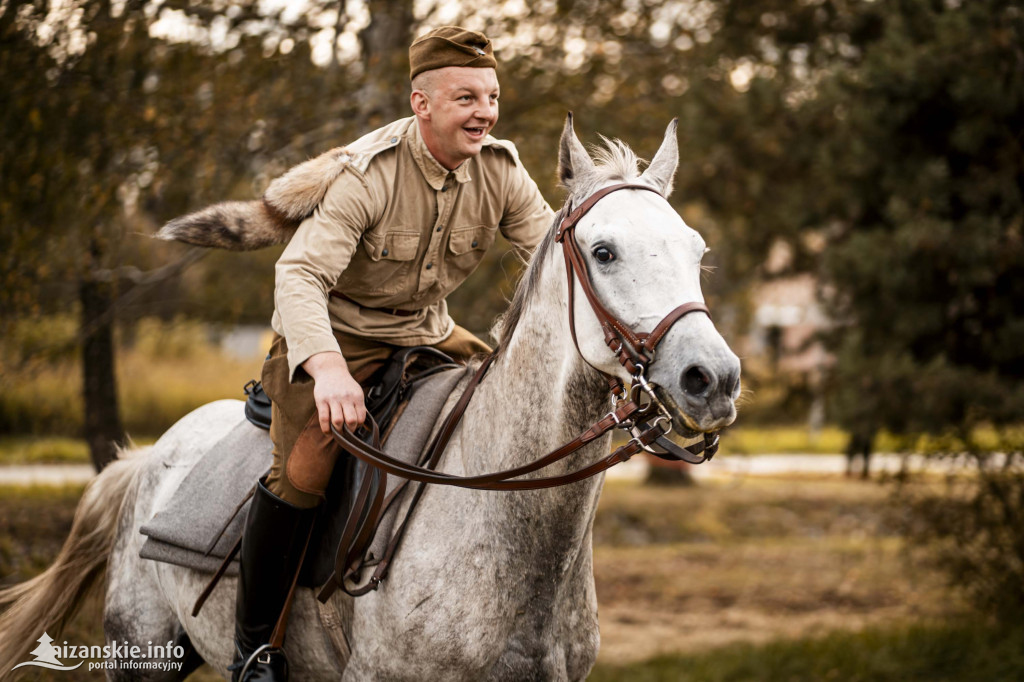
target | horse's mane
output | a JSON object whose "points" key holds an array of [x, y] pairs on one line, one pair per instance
{"points": [[614, 162]]}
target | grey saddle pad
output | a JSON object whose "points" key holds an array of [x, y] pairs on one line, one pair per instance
{"points": [[218, 487]]}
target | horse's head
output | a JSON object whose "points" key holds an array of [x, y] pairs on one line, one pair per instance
{"points": [[644, 262]]}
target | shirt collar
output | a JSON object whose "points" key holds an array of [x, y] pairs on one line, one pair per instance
{"points": [[432, 170]]}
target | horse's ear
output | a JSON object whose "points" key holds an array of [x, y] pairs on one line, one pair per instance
{"points": [[663, 165], [573, 160]]}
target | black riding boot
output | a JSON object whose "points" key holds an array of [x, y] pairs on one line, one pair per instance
{"points": [[272, 543]]}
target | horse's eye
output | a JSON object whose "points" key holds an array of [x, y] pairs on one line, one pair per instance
{"points": [[603, 254]]}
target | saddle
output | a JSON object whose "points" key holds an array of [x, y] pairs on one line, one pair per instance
{"points": [[387, 392], [386, 389], [335, 534]]}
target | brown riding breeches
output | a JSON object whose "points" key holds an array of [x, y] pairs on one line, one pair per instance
{"points": [[304, 456]]}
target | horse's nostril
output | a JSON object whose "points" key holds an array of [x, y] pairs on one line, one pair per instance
{"points": [[696, 381], [731, 384]]}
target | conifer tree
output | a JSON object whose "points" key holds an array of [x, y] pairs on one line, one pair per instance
{"points": [[924, 178]]}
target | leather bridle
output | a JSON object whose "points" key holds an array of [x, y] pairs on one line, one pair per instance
{"points": [[638, 410], [633, 349]]}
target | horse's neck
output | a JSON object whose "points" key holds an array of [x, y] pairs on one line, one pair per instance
{"points": [[540, 394]]}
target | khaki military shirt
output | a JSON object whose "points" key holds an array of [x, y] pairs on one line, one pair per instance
{"points": [[397, 230]]}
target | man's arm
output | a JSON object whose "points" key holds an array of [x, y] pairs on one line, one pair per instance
{"points": [[309, 267], [527, 215]]}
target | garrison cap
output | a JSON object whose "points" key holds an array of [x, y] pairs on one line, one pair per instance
{"points": [[450, 46]]}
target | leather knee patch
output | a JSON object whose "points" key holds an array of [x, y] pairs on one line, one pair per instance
{"points": [[312, 458]]}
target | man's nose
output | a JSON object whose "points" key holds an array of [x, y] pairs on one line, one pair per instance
{"points": [[486, 110]]}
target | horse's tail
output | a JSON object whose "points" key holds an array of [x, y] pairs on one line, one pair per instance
{"points": [[45, 603]]}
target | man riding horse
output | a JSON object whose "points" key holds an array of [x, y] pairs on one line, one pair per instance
{"points": [[406, 221]]}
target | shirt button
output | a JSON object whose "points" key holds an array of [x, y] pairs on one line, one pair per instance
{"points": [[475, 242], [445, 188], [429, 265], [394, 140], [384, 252], [440, 227]]}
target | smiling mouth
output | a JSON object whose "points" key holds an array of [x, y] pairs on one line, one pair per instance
{"points": [[476, 132]]}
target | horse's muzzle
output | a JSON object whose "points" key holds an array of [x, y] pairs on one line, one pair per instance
{"points": [[709, 392]]}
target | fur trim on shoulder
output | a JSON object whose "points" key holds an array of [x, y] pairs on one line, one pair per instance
{"points": [[232, 225], [247, 225], [297, 193]]}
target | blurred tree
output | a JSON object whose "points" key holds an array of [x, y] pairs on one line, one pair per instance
{"points": [[383, 95], [924, 176], [738, 76], [104, 127], [55, 141], [118, 116], [728, 70]]}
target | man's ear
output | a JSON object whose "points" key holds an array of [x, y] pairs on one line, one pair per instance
{"points": [[420, 104]]}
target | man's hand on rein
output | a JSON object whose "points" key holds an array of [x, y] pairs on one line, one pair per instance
{"points": [[339, 397]]}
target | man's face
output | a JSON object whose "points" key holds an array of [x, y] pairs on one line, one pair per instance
{"points": [[458, 109]]}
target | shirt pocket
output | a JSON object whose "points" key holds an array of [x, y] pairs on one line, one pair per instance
{"points": [[394, 245], [390, 267], [466, 248], [465, 240]]}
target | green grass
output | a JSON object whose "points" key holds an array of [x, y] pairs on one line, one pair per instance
{"points": [[743, 440], [68, 450], [43, 450], [962, 652], [15, 450], [756, 440]]}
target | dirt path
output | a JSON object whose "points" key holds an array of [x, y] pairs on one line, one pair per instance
{"points": [[733, 466], [46, 474]]}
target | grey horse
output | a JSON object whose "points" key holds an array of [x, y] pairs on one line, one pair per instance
{"points": [[487, 585]]}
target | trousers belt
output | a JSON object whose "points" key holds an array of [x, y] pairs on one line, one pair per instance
{"points": [[389, 311]]}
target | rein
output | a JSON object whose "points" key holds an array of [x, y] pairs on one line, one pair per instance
{"points": [[638, 411]]}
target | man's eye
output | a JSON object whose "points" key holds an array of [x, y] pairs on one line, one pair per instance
{"points": [[603, 254]]}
